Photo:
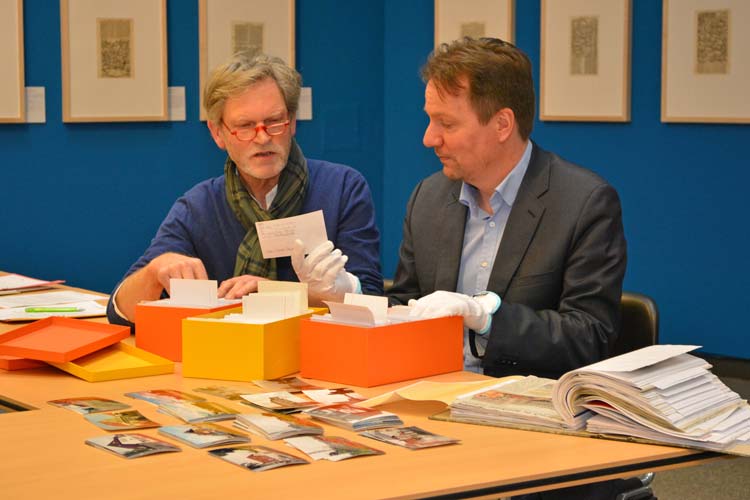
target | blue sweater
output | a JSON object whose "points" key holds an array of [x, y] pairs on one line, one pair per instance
{"points": [[201, 224]]}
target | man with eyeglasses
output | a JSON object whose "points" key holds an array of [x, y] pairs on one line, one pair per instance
{"points": [[209, 233], [528, 248]]}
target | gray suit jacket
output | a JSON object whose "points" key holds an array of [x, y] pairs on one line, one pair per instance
{"points": [[558, 270]]}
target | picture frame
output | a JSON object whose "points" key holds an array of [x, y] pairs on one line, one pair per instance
{"points": [[705, 68], [230, 26], [12, 86], [455, 19], [114, 60], [585, 60]]}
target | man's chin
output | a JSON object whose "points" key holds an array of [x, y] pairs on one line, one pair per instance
{"points": [[451, 173]]}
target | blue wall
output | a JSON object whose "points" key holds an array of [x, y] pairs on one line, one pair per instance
{"points": [[81, 201]]}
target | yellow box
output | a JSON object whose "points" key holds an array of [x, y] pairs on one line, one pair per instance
{"points": [[240, 351], [116, 362], [158, 328], [370, 356]]}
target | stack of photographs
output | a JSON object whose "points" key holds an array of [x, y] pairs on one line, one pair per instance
{"points": [[330, 447], [198, 411], [256, 458], [120, 420], [281, 401], [413, 438], [203, 435], [131, 445], [354, 418], [277, 426], [86, 405]]}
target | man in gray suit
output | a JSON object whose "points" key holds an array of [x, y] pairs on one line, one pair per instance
{"points": [[526, 246]]}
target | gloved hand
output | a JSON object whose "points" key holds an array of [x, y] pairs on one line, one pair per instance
{"points": [[323, 271], [477, 311]]}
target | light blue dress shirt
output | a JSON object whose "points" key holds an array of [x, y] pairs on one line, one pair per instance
{"points": [[482, 238]]}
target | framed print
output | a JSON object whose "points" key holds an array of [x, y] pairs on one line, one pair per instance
{"points": [[585, 60], [456, 19], [114, 60], [12, 90], [227, 27], [705, 68]]}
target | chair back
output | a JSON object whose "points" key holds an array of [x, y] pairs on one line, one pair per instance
{"points": [[639, 325]]}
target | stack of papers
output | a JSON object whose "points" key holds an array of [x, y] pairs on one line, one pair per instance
{"points": [[354, 418], [203, 435], [29, 307], [527, 401], [197, 411], [658, 393], [276, 426], [16, 283]]}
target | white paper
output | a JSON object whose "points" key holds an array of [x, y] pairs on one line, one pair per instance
{"points": [[304, 109], [641, 358], [378, 305], [48, 299], [266, 306], [350, 314], [35, 105], [12, 281], [184, 292], [176, 104], [276, 237], [298, 289], [86, 309]]}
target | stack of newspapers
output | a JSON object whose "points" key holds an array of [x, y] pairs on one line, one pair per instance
{"points": [[659, 393]]}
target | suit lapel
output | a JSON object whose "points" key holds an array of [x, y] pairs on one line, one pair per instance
{"points": [[522, 223], [451, 241]]}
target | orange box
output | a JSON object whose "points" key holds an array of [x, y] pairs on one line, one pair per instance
{"points": [[158, 328], [370, 356]]}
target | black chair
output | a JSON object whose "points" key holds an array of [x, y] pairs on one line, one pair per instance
{"points": [[639, 328]]}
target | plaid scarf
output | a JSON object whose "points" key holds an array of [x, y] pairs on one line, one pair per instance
{"points": [[292, 189]]}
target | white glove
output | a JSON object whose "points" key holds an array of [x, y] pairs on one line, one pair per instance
{"points": [[323, 271], [477, 311]]}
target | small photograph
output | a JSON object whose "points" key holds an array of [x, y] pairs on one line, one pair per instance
{"points": [[162, 396], [131, 445], [115, 43], [203, 435], [280, 401], [120, 420], [86, 405], [223, 391], [256, 458], [198, 411], [330, 447], [413, 438], [332, 396], [276, 426], [290, 384], [354, 418]]}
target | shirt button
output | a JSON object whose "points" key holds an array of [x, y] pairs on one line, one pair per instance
{"points": [[492, 224], [484, 264]]}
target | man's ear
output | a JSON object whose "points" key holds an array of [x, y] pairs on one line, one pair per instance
{"points": [[505, 123], [215, 129], [293, 125]]}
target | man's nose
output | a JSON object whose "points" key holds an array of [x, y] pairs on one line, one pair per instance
{"points": [[431, 139]]}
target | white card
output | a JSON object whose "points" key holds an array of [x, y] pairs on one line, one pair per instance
{"points": [[378, 305], [276, 237], [350, 314], [184, 292], [299, 289], [265, 306]]}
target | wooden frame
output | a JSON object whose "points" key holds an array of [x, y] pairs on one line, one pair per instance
{"points": [[585, 60], [705, 64], [229, 26], [476, 18], [12, 90], [114, 60]]}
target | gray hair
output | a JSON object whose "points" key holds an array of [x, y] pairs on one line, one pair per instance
{"points": [[243, 71]]}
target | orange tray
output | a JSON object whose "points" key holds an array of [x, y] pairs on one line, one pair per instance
{"points": [[60, 339], [16, 363]]}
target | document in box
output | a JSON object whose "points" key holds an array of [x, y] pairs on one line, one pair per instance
{"points": [[276, 237]]}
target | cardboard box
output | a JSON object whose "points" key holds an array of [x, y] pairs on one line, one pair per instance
{"points": [[158, 328], [370, 356], [225, 350]]}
